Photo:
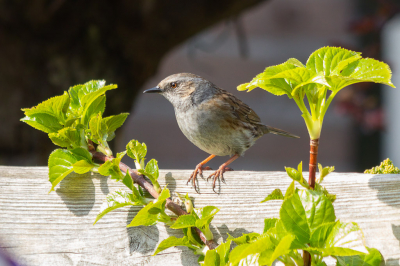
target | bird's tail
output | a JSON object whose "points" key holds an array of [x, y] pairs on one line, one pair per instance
{"points": [[278, 131]]}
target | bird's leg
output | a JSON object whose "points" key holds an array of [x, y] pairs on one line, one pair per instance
{"points": [[221, 170], [199, 170]]}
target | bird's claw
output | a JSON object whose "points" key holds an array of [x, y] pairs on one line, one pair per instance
{"points": [[219, 174], [193, 177]]}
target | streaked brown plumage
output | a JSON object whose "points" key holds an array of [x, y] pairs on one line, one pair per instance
{"points": [[213, 119]]}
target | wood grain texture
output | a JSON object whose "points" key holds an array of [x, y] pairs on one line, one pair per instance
{"points": [[56, 228]]}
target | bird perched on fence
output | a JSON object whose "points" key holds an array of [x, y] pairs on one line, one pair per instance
{"points": [[212, 119]]}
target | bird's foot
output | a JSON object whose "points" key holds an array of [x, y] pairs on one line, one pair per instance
{"points": [[219, 174], [197, 171]]}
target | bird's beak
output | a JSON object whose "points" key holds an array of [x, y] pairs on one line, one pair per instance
{"points": [[153, 90]]}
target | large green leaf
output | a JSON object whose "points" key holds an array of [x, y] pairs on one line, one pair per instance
{"points": [[319, 209], [345, 239], [320, 235], [56, 107], [43, 122], [329, 59], [173, 241], [277, 86], [363, 70], [60, 165], [293, 216], [283, 248], [373, 258], [304, 212], [258, 245], [115, 200]]}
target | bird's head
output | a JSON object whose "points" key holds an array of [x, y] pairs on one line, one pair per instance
{"points": [[182, 88]]}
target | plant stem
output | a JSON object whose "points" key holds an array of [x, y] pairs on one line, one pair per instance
{"points": [[306, 258], [137, 178], [313, 162], [311, 181]]}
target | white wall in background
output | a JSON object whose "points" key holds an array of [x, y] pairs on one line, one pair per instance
{"points": [[391, 96]]}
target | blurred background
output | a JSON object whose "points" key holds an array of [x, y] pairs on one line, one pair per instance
{"points": [[47, 46]]}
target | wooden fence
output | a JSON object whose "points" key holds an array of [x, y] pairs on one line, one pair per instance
{"points": [[54, 229]]}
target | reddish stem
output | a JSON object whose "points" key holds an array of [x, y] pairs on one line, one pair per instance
{"points": [[312, 168], [172, 206], [313, 162]]}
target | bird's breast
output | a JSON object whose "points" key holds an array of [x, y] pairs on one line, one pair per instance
{"points": [[214, 132]]}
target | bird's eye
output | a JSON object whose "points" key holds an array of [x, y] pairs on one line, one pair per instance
{"points": [[173, 85]]}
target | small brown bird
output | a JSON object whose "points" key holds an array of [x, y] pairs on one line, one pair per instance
{"points": [[212, 119]]}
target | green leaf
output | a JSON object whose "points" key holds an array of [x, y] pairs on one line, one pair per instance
{"points": [[305, 211], [173, 241], [96, 107], [56, 107], [206, 215], [244, 239], [324, 172], [290, 190], [66, 137], [60, 165], [275, 86], [212, 258], [329, 59], [274, 195], [258, 245], [300, 77], [43, 122], [115, 200], [269, 223], [115, 121], [184, 221], [127, 181], [82, 167], [320, 234], [294, 218], [297, 175], [78, 91], [136, 150], [368, 69], [98, 129], [283, 248], [318, 207], [82, 154], [373, 258], [345, 239], [295, 62], [223, 252], [145, 217], [151, 170], [112, 168], [363, 70]]}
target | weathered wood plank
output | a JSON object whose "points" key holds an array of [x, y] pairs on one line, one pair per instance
{"points": [[56, 228]]}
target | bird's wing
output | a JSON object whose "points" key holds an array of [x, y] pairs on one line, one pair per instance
{"points": [[239, 109]]}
